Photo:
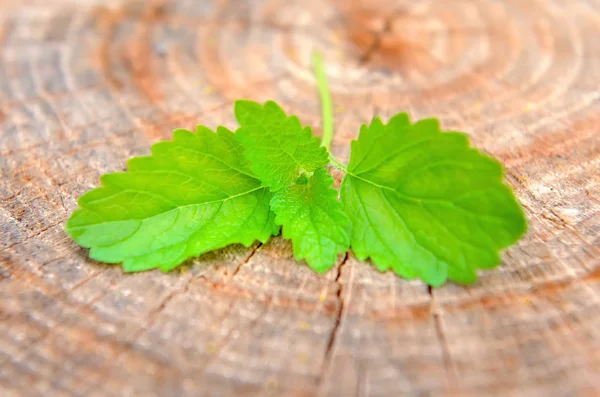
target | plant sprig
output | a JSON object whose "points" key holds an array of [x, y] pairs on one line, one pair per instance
{"points": [[414, 199]]}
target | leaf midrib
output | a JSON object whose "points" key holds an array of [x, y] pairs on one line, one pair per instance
{"points": [[166, 212], [422, 200]]}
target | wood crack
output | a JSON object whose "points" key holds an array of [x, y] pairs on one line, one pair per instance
{"points": [[376, 43], [244, 262], [34, 235], [151, 318], [450, 366], [336, 326]]}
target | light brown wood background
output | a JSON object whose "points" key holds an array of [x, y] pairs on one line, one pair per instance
{"points": [[86, 85]]}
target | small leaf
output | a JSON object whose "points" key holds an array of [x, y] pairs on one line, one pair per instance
{"points": [[425, 204], [277, 146], [193, 195], [313, 219]]}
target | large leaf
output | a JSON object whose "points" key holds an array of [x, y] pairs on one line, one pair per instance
{"points": [[425, 204], [194, 194]]}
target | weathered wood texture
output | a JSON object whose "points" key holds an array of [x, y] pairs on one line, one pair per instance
{"points": [[84, 86]]}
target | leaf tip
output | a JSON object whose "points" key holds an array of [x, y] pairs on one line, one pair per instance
{"points": [[273, 105], [243, 107], [111, 179], [322, 270], [430, 124], [375, 122]]}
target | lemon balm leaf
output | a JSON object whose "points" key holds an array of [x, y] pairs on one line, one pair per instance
{"points": [[425, 204], [194, 194], [278, 148], [312, 217]]}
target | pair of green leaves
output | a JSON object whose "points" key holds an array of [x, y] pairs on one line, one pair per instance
{"points": [[414, 199]]}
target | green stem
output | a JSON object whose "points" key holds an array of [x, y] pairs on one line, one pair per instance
{"points": [[338, 164], [326, 107]]}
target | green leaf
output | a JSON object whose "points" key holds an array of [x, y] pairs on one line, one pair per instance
{"points": [[313, 219], [193, 195], [425, 204], [277, 146]]}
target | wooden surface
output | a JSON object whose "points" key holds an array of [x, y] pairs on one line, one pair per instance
{"points": [[86, 85]]}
